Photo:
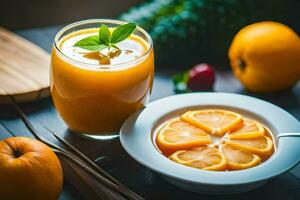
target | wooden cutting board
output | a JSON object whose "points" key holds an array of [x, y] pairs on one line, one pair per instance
{"points": [[24, 69]]}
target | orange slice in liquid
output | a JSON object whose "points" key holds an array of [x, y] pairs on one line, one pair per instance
{"points": [[177, 135], [214, 121], [207, 158], [238, 159], [248, 130], [262, 146]]}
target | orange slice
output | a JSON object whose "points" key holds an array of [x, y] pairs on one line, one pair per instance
{"points": [[216, 122], [239, 159], [204, 157], [262, 146], [177, 135], [249, 130]]}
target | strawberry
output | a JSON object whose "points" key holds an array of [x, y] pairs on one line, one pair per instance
{"points": [[201, 77]]}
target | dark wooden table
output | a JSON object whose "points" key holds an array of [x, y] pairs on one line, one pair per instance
{"points": [[110, 155]]}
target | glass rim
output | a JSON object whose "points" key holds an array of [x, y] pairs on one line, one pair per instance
{"points": [[112, 21]]}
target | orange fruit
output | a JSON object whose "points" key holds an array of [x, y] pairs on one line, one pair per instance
{"points": [[29, 170], [238, 159], [216, 122], [204, 157], [265, 56], [177, 134], [248, 130], [262, 146]]}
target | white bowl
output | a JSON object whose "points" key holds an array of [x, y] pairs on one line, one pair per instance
{"points": [[137, 139]]}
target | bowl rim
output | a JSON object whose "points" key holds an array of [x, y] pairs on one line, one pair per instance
{"points": [[136, 133]]}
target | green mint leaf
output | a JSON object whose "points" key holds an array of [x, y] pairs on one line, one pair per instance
{"points": [[122, 32], [104, 35], [90, 43], [114, 46]]}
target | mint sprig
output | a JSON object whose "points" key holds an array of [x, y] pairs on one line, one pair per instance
{"points": [[104, 35], [91, 43], [122, 32], [106, 39]]}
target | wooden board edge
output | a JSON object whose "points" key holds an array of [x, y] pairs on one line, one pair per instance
{"points": [[26, 97]]}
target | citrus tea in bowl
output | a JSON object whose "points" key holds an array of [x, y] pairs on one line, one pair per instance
{"points": [[210, 142], [101, 73], [215, 139]]}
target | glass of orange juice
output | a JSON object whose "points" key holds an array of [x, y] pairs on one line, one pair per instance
{"points": [[96, 91]]}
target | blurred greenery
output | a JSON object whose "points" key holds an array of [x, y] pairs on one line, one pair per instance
{"points": [[180, 83], [186, 32]]}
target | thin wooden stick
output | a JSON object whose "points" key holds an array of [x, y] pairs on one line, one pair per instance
{"points": [[24, 118], [89, 161], [89, 188], [85, 158], [96, 175]]}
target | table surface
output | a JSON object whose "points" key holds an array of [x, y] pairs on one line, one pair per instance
{"points": [[110, 155]]}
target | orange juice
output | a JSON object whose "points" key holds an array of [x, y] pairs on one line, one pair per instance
{"points": [[95, 98]]}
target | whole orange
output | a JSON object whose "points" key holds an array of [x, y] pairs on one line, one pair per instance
{"points": [[265, 56], [29, 170]]}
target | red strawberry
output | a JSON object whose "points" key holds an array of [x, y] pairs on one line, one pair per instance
{"points": [[201, 77]]}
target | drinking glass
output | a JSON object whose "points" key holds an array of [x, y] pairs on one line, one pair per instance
{"points": [[93, 100]]}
